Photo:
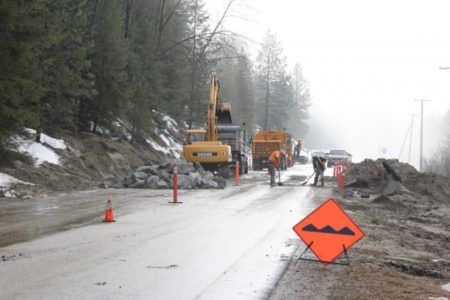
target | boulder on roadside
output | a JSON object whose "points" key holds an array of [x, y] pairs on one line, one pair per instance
{"points": [[221, 182], [190, 175], [163, 174], [140, 183], [196, 177], [185, 168], [147, 169], [210, 185], [207, 178], [127, 181], [184, 182], [161, 184], [139, 175], [151, 182]]}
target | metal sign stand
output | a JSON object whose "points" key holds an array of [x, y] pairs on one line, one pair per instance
{"points": [[324, 262]]}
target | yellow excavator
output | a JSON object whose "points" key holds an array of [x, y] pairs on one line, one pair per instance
{"points": [[203, 146]]}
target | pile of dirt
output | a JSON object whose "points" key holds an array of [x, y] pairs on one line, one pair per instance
{"points": [[391, 177], [404, 254], [190, 176]]}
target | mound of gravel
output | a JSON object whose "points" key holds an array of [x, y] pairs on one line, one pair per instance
{"points": [[190, 176], [390, 177]]}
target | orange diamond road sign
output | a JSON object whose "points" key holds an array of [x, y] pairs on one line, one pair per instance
{"points": [[328, 231]]}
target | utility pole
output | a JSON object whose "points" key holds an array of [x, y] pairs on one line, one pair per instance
{"points": [[421, 131], [410, 137]]}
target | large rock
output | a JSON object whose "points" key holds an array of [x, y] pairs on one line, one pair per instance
{"points": [[140, 183], [196, 177], [127, 181], [148, 169], [184, 182], [207, 180], [221, 182], [207, 176], [163, 174], [139, 175], [162, 185], [151, 182], [210, 185], [185, 168]]}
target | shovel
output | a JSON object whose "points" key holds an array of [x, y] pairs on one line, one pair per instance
{"points": [[306, 181], [279, 177]]}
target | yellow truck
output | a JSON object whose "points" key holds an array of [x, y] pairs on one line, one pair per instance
{"points": [[267, 141], [203, 145]]}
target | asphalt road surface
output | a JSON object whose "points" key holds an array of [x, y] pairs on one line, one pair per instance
{"points": [[218, 244]]}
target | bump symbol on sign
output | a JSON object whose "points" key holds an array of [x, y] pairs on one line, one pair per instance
{"points": [[328, 231]]}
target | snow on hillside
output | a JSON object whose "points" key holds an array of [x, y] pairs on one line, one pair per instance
{"points": [[42, 151], [6, 180]]}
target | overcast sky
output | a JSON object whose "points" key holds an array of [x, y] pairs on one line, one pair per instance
{"points": [[365, 61]]}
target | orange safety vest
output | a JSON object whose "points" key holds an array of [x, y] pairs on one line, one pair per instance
{"points": [[274, 158]]}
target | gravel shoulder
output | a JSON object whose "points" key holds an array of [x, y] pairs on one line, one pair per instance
{"points": [[404, 255]]}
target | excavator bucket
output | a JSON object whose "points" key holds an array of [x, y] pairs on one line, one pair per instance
{"points": [[224, 114]]}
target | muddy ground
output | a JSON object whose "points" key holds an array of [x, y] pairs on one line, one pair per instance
{"points": [[404, 255]]}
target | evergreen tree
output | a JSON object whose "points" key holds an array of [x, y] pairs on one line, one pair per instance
{"points": [[22, 30], [298, 112], [109, 62], [271, 83], [67, 78]]}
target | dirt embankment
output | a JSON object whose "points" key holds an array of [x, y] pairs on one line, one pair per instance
{"points": [[405, 253], [88, 161]]}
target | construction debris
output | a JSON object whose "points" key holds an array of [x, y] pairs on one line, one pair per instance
{"points": [[190, 176], [390, 177]]}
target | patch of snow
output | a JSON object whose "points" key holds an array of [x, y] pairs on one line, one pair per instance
{"points": [[170, 123], [446, 287], [37, 151], [6, 180], [31, 131], [438, 298], [52, 142], [157, 147], [165, 140], [10, 194]]}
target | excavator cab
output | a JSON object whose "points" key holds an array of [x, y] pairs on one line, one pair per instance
{"points": [[194, 135]]}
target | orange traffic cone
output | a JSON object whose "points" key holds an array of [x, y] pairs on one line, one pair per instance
{"points": [[109, 216]]}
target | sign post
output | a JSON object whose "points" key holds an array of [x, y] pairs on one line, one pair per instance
{"points": [[236, 177], [175, 185]]}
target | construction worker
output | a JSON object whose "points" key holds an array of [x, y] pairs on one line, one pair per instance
{"points": [[319, 164], [273, 163]]}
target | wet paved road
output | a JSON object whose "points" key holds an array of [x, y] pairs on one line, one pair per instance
{"points": [[24, 220]]}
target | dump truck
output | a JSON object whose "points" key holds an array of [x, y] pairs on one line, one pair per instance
{"points": [[236, 137], [203, 145], [265, 142]]}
